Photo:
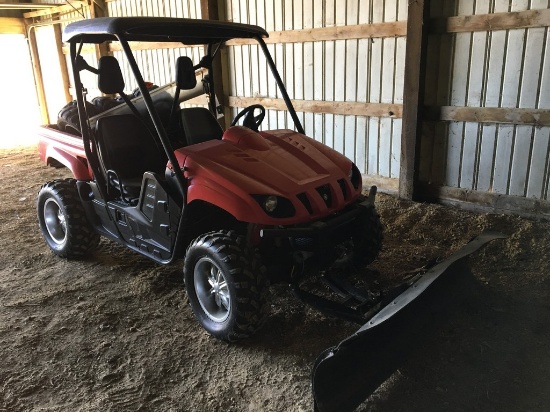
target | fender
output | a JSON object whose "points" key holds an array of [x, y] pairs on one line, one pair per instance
{"points": [[205, 186], [241, 209], [74, 164], [65, 148]]}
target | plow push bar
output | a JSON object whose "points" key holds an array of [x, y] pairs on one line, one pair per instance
{"points": [[347, 374]]}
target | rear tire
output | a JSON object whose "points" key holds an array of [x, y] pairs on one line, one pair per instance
{"points": [[226, 285], [68, 120], [63, 220]]}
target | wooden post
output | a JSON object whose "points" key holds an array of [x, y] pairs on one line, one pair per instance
{"points": [[33, 47], [98, 8], [62, 62], [210, 11], [413, 97]]}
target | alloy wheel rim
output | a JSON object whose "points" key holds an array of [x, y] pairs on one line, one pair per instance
{"points": [[55, 221], [212, 290]]}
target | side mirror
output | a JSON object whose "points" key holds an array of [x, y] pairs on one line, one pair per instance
{"points": [[185, 73], [109, 77]]}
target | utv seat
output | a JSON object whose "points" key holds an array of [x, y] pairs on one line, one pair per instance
{"points": [[199, 125], [193, 124], [127, 150]]}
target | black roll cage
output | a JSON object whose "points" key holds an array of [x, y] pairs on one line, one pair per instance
{"points": [[155, 29]]}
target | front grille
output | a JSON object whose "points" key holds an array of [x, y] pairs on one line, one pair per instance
{"points": [[325, 192], [305, 201], [343, 188]]}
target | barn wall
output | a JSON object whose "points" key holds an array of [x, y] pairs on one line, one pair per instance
{"points": [[486, 130], [495, 152], [352, 70]]}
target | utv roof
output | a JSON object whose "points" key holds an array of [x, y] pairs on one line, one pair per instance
{"points": [[187, 31]]}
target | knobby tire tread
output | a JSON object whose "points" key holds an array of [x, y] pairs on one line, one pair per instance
{"points": [[81, 238]]}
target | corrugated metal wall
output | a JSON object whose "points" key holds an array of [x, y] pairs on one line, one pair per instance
{"points": [[503, 69], [364, 70], [481, 68]]}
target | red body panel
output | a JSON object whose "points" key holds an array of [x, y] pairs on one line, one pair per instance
{"points": [[66, 149], [281, 162], [228, 172]]}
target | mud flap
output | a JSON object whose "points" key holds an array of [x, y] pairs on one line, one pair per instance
{"points": [[346, 375]]}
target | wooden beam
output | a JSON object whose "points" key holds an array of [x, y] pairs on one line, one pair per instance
{"points": [[62, 62], [38, 77], [361, 31], [12, 25], [485, 201], [99, 9], [413, 98], [535, 117], [210, 11], [317, 106], [67, 8], [491, 22], [19, 5]]}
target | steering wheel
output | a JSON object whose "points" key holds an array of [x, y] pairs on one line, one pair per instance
{"points": [[251, 121]]}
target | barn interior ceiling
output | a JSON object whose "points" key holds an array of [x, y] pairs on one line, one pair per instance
{"points": [[20, 5]]}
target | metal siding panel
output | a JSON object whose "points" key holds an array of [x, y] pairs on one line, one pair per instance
{"points": [[460, 69], [239, 86], [399, 74], [487, 152], [339, 91], [496, 68], [454, 152], [539, 172], [373, 149], [385, 146], [350, 127], [502, 158], [469, 155], [360, 144], [395, 159], [520, 160], [271, 84], [534, 50], [544, 98], [387, 133]]}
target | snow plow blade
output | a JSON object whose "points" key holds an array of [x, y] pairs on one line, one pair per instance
{"points": [[344, 376]]}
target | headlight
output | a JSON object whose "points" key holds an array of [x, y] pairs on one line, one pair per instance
{"points": [[275, 206], [270, 204]]}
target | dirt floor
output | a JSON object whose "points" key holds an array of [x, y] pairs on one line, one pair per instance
{"points": [[115, 333]]}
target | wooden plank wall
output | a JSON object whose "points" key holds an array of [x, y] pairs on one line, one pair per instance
{"points": [[490, 65], [342, 62]]}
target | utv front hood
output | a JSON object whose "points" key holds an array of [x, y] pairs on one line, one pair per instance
{"points": [[228, 172]]}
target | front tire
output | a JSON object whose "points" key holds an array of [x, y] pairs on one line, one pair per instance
{"points": [[63, 221], [226, 285]]}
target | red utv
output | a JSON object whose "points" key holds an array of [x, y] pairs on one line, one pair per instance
{"points": [[242, 206]]}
